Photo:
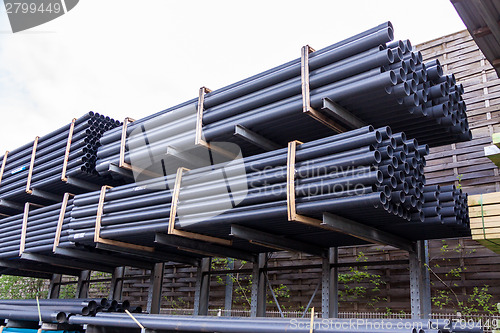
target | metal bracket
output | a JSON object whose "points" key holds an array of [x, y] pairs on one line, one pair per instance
{"points": [[97, 230], [4, 162], [68, 147], [173, 214], [365, 232], [32, 164], [290, 189], [185, 157], [113, 168], [122, 163], [82, 184], [156, 256], [11, 205], [25, 225], [60, 221], [254, 138], [306, 94], [104, 258], [338, 112], [45, 195], [66, 263], [275, 242], [191, 245]]}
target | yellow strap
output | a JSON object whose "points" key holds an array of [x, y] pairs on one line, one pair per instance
{"points": [[38, 306], [311, 329], [482, 215], [134, 319]]}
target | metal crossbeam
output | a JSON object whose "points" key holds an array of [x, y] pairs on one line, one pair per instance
{"points": [[365, 232], [275, 242], [157, 256], [82, 184], [11, 205], [66, 263], [41, 268], [105, 259], [203, 247], [336, 111], [255, 139], [46, 195], [115, 169]]}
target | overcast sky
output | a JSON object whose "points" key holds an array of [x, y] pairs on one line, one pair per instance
{"points": [[133, 58]]}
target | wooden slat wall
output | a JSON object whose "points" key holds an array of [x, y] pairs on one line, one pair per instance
{"points": [[459, 55], [479, 266]]}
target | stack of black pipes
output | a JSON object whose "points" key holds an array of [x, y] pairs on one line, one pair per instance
{"points": [[42, 226], [363, 174], [10, 238], [274, 325], [40, 230], [49, 159], [447, 205], [59, 310], [382, 84]]}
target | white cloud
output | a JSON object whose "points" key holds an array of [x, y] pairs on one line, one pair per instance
{"points": [[128, 58]]}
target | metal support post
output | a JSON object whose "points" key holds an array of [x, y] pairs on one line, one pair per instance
{"points": [[420, 282], [55, 286], [202, 291], [259, 288], [330, 285], [82, 289], [115, 291], [155, 288], [425, 300], [228, 299]]}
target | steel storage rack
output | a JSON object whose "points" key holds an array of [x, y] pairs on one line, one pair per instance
{"points": [[158, 202]]}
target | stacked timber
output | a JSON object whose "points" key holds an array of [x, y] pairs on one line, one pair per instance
{"points": [[484, 211]]}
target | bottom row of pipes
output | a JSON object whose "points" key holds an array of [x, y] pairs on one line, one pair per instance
{"points": [[120, 315]]}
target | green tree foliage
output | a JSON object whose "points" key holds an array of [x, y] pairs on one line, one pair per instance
{"points": [[16, 287]]}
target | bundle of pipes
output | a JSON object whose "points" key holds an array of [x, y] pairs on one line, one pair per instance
{"points": [[58, 310], [46, 164], [34, 230], [382, 84], [445, 213], [361, 175], [273, 325], [447, 206]]}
